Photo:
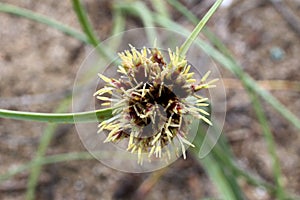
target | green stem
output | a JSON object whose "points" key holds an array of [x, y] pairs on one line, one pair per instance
{"points": [[186, 45], [160, 7], [218, 166], [84, 22], [89, 38], [46, 160], [140, 9], [194, 19], [44, 20], [90, 116], [48, 117], [88, 29], [64, 157], [184, 11], [280, 194], [118, 27], [45, 140]]}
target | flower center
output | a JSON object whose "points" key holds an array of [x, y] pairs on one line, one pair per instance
{"points": [[152, 106]]}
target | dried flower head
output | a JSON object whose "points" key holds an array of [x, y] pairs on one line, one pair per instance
{"points": [[152, 99]]}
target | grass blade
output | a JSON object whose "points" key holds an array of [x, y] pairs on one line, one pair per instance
{"points": [[90, 116], [186, 45], [280, 193], [219, 171], [140, 9], [160, 7], [91, 39], [84, 22], [46, 160], [45, 140], [88, 30], [44, 20], [118, 27]]}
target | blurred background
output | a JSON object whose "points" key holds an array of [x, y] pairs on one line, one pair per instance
{"points": [[38, 65]]}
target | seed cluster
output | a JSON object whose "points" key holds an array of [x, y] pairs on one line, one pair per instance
{"points": [[152, 101]]}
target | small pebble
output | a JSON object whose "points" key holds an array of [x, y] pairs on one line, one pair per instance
{"points": [[79, 185], [261, 193], [276, 54], [226, 3]]}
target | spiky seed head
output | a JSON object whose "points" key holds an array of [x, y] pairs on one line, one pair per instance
{"points": [[151, 101]]}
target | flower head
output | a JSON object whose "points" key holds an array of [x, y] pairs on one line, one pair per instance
{"points": [[152, 100]]}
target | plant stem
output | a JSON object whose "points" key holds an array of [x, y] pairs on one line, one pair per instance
{"points": [[84, 22], [186, 45], [45, 140], [44, 161], [64, 157], [90, 116], [280, 193], [88, 29], [44, 20], [140, 9]]}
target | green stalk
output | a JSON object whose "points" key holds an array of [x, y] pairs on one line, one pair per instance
{"points": [[88, 38], [160, 7], [45, 140], [186, 45], [44, 20], [85, 24], [90, 116], [140, 9], [64, 157], [280, 194], [118, 27], [218, 169], [184, 11], [89, 31], [51, 117], [216, 173], [46, 160], [194, 19]]}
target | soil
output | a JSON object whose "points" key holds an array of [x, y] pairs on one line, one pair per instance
{"points": [[38, 65]]}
